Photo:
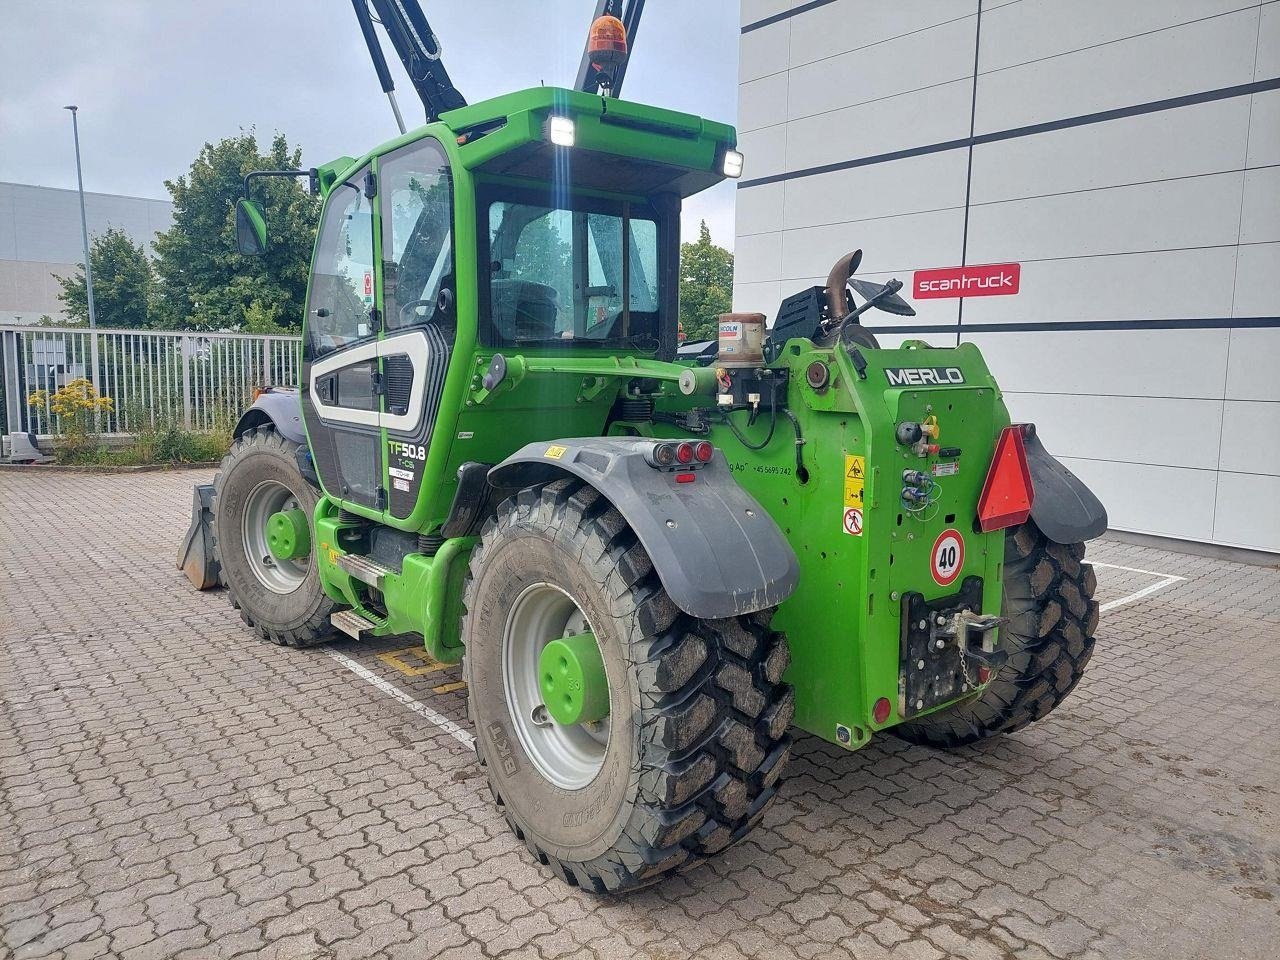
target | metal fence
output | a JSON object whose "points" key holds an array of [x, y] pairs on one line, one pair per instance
{"points": [[197, 380]]}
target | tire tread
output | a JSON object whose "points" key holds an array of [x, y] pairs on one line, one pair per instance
{"points": [[714, 734], [1053, 615]]}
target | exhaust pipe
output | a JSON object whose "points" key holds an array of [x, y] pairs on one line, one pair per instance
{"points": [[837, 280]]}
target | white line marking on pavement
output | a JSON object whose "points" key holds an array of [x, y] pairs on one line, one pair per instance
{"points": [[391, 690], [1166, 580]]}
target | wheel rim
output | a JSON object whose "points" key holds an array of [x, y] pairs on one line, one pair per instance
{"points": [[264, 500], [568, 756]]}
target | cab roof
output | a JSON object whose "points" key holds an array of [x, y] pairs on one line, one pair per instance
{"points": [[619, 145]]}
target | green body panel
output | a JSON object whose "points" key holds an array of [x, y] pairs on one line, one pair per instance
{"points": [[423, 598], [844, 620]]}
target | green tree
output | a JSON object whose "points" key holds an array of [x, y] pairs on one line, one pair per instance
{"points": [[706, 286], [204, 284], [123, 284]]}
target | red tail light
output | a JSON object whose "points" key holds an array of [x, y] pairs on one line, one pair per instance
{"points": [[882, 710], [684, 453], [703, 450], [1007, 494]]}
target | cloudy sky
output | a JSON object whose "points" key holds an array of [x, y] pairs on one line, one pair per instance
{"points": [[155, 79]]}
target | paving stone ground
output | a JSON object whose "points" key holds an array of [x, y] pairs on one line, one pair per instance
{"points": [[171, 787]]}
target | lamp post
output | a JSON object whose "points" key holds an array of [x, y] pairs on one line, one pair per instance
{"points": [[88, 267]]}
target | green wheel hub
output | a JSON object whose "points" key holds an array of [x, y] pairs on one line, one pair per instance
{"points": [[572, 679], [288, 536]]}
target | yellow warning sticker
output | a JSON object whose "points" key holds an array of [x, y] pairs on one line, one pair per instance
{"points": [[855, 469], [555, 452]]}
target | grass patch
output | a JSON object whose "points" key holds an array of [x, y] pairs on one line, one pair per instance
{"points": [[168, 443]]}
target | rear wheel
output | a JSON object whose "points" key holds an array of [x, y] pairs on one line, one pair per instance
{"points": [[1048, 598], [262, 512], [622, 738]]}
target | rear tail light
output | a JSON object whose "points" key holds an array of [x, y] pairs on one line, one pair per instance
{"points": [[668, 454], [882, 710], [1007, 494]]}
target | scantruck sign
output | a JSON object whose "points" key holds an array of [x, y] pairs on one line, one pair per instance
{"points": [[986, 280]]}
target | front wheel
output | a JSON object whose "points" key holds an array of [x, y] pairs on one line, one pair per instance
{"points": [[1048, 598], [622, 738], [262, 511]]}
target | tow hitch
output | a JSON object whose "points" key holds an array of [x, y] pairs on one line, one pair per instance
{"points": [[948, 648]]}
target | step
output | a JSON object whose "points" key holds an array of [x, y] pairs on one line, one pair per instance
{"points": [[364, 569], [352, 624]]}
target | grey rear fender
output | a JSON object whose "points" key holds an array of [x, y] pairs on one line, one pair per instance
{"points": [[1065, 510], [715, 549], [277, 407]]}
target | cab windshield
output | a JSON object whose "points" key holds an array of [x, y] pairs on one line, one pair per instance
{"points": [[582, 270]]}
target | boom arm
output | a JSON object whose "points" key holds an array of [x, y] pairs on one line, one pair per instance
{"points": [[419, 50]]}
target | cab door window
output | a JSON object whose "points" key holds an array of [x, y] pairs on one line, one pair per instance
{"points": [[340, 310], [417, 234]]}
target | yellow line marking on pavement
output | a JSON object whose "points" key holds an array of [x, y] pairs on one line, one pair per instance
{"points": [[395, 658], [450, 687], [390, 689]]}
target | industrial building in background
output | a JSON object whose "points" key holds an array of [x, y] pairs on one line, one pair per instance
{"points": [[40, 241], [1089, 191]]}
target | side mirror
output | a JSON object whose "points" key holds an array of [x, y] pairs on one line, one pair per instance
{"points": [[251, 228]]}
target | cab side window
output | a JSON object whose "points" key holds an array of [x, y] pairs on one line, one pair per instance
{"points": [[417, 235], [340, 308]]}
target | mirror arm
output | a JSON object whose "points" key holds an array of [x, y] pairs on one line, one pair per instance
{"points": [[890, 288], [312, 175]]}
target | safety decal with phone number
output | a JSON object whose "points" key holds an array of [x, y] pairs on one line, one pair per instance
{"points": [[948, 557]]}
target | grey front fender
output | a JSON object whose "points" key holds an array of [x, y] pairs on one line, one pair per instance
{"points": [[1065, 510], [277, 407], [716, 550]]}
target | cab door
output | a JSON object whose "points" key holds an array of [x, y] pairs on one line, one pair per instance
{"points": [[341, 379], [415, 196]]}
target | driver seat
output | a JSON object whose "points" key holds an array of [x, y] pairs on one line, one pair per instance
{"points": [[524, 310]]}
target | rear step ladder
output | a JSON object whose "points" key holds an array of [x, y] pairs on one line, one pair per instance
{"points": [[364, 569]]}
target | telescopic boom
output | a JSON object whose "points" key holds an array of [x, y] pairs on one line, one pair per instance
{"points": [[415, 43]]}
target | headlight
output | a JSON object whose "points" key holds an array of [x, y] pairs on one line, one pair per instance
{"points": [[732, 166], [561, 131]]}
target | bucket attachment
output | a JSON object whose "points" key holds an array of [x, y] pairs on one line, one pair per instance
{"points": [[195, 554]]}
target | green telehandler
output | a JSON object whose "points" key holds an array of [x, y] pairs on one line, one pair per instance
{"points": [[653, 560]]}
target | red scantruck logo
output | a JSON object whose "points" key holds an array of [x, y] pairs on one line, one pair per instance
{"points": [[987, 280]]}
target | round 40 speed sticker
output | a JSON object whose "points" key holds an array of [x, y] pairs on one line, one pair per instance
{"points": [[948, 557]]}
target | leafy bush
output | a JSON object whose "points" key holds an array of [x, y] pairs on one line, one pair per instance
{"points": [[78, 407]]}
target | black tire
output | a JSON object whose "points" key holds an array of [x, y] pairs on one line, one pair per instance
{"points": [[698, 719], [296, 619], [1048, 596]]}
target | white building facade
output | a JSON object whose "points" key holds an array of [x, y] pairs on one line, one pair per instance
{"points": [[1125, 156], [40, 240]]}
